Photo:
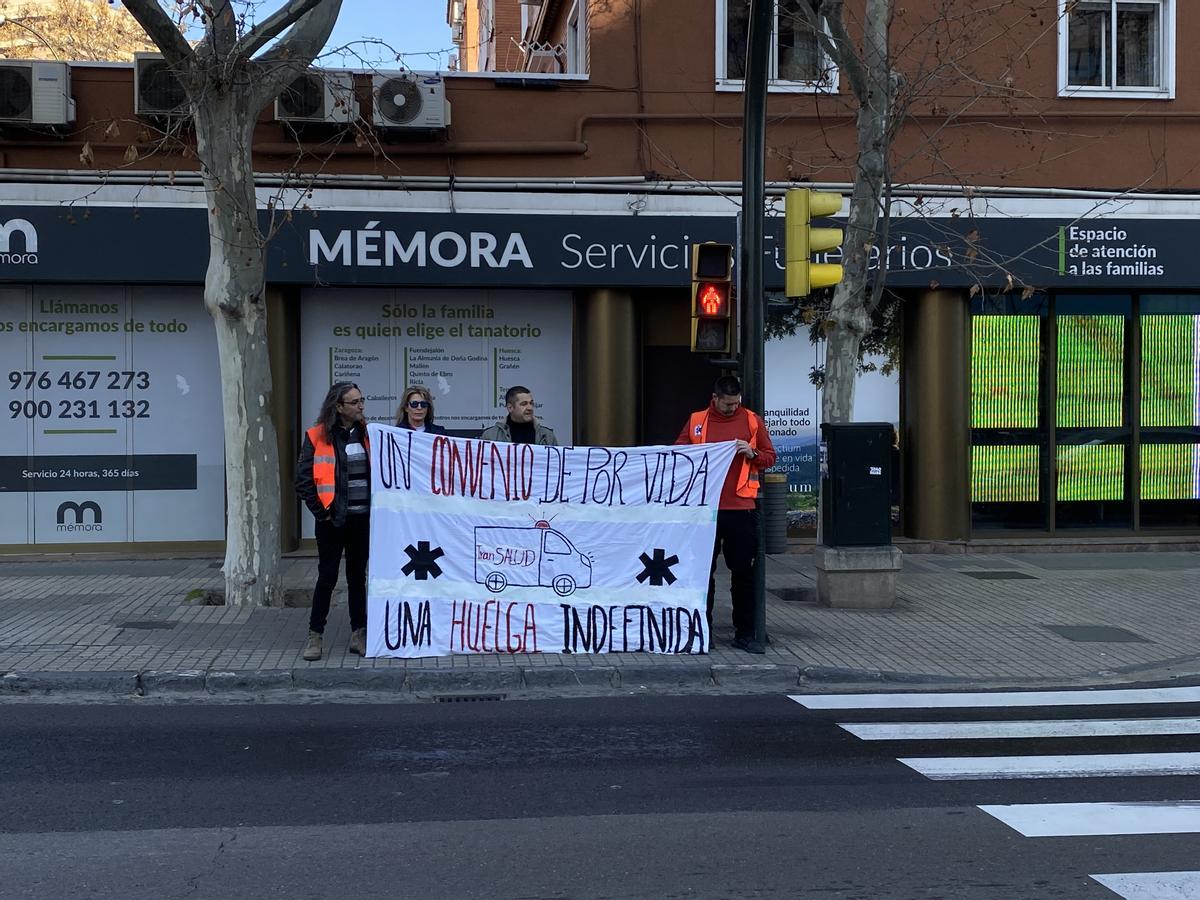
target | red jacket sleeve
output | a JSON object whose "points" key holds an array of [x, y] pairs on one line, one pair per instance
{"points": [[766, 450], [684, 437]]}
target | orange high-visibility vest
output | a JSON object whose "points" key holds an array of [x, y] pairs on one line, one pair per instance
{"points": [[324, 470], [747, 484]]}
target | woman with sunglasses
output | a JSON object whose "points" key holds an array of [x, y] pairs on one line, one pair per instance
{"points": [[333, 478], [416, 412]]}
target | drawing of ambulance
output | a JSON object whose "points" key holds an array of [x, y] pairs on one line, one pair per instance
{"points": [[534, 556]]}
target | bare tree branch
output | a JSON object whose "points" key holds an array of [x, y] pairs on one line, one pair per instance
{"points": [[163, 32], [273, 26], [290, 56]]}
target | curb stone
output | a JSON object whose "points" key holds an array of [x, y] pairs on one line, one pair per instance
{"points": [[756, 674], [858, 676], [183, 681], [463, 681], [101, 682], [351, 678], [633, 677], [550, 677], [216, 682]]}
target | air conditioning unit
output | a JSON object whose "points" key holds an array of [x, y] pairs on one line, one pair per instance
{"points": [[318, 96], [36, 93], [409, 100], [157, 91]]}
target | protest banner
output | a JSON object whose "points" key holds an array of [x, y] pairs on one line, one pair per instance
{"points": [[482, 547]]}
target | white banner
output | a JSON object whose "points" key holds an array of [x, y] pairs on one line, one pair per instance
{"points": [[479, 547]]}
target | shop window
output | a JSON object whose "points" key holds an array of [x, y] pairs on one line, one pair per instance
{"points": [[1091, 414], [1005, 376], [1170, 412], [1117, 47], [797, 63], [1007, 456]]}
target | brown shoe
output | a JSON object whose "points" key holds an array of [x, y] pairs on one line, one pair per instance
{"points": [[312, 650], [358, 641]]}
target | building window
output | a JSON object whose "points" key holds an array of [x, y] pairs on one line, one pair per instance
{"points": [[1121, 47], [576, 39], [797, 63]]}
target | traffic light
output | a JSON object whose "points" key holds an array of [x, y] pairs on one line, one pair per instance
{"points": [[802, 240], [712, 300]]}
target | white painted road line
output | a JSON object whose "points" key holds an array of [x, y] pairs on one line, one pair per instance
{"points": [[1095, 819], [1153, 885], [1004, 698], [1099, 765], [1062, 728]]}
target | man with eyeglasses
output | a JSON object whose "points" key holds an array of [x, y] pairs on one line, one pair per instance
{"points": [[520, 426], [333, 478]]}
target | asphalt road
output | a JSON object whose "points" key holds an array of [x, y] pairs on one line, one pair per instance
{"points": [[710, 797]]}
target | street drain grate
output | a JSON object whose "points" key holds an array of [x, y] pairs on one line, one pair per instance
{"points": [[468, 698], [1000, 576], [147, 625], [1098, 634]]}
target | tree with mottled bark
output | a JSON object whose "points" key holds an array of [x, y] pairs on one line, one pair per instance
{"points": [[230, 74], [874, 86]]}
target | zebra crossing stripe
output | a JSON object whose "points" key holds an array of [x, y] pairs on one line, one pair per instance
{"points": [[998, 698], [1098, 765], [1062, 728], [1153, 885], [1096, 819]]}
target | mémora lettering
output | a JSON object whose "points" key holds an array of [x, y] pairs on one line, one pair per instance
{"points": [[619, 629], [375, 247]]}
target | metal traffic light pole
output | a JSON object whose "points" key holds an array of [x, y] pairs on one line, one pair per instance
{"points": [[753, 299]]}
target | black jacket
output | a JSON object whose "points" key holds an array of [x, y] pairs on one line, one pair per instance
{"points": [[306, 488], [430, 428]]}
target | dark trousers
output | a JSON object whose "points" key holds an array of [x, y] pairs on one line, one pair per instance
{"points": [[737, 537], [354, 539]]}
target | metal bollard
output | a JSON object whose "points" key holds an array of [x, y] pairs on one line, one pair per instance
{"points": [[774, 510]]}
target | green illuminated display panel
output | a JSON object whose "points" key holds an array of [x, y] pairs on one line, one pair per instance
{"points": [[1091, 372], [1091, 472], [1170, 371], [1170, 472], [1004, 474], [1004, 371]]}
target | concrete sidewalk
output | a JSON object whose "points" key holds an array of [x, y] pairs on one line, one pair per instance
{"points": [[125, 627]]}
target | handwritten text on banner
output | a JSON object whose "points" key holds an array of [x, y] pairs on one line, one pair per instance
{"points": [[479, 547]]}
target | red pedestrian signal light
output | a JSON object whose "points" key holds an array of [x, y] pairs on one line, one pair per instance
{"points": [[712, 299], [712, 292]]}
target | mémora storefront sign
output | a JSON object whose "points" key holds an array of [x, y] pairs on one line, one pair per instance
{"points": [[169, 245]]}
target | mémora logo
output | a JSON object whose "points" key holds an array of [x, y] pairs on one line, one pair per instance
{"points": [[25, 228], [77, 511], [375, 247]]}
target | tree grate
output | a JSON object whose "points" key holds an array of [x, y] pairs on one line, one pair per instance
{"points": [[1000, 576], [468, 698]]}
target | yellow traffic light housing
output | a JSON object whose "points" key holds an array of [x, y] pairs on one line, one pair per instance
{"points": [[712, 298], [803, 275]]}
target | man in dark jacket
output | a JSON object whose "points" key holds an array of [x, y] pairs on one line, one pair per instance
{"points": [[520, 426]]}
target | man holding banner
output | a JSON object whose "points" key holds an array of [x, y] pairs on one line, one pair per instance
{"points": [[726, 419]]}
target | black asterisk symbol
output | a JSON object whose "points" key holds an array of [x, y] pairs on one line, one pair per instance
{"points": [[658, 569], [423, 561]]}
